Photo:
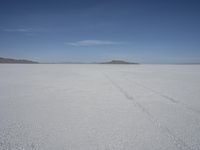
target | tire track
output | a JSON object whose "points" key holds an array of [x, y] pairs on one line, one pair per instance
{"points": [[169, 98], [179, 143]]}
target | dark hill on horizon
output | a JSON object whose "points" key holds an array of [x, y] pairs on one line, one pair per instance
{"points": [[16, 61], [119, 62]]}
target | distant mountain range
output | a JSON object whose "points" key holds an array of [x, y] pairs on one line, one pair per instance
{"points": [[118, 62], [16, 61], [25, 61], [109, 62]]}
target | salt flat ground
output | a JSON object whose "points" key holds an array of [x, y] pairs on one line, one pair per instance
{"points": [[99, 107]]}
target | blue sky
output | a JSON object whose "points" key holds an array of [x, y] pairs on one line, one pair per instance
{"points": [[145, 31]]}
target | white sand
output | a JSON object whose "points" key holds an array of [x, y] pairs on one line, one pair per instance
{"points": [[99, 107]]}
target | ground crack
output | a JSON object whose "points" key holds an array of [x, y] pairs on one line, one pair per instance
{"points": [[180, 144]]}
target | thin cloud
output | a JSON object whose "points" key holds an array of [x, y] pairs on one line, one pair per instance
{"points": [[18, 30], [91, 43]]}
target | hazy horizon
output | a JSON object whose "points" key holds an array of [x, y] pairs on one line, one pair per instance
{"points": [[140, 31]]}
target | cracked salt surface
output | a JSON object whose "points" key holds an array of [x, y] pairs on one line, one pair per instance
{"points": [[102, 107]]}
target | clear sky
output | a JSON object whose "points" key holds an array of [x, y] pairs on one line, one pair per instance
{"points": [[145, 31]]}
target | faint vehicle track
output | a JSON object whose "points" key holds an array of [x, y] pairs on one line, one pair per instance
{"points": [[169, 98], [179, 143]]}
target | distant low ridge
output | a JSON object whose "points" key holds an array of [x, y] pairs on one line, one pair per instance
{"points": [[16, 61], [118, 62]]}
